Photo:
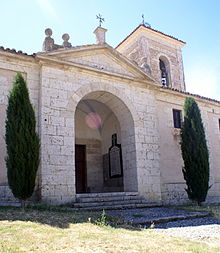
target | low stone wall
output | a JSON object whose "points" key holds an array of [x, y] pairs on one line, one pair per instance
{"points": [[213, 194], [6, 194], [174, 193]]}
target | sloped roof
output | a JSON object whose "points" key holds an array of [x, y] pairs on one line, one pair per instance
{"points": [[95, 47], [14, 51], [151, 29], [19, 52], [192, 94]]}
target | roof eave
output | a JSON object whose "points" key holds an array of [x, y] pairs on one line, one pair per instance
{"points": [[180, 42], [103, 46]]}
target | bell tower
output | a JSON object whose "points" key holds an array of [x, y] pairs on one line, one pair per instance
{"points": [[158, 54]]}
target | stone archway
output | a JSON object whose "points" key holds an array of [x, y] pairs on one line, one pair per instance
{"points": [[105, 103], [141, 173]]}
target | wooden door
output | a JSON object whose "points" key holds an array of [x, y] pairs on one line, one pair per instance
{"points": [[80, 164]]}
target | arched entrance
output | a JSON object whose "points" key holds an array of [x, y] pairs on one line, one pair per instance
{"points": [[105, 153]]}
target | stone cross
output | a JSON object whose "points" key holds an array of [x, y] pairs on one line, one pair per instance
{"points": [[114, 139]]}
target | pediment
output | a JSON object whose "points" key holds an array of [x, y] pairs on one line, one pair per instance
{"points": [[101, 57]]}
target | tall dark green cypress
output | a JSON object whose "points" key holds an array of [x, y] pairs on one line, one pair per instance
{"points": [[22, 141], [194, 152]]}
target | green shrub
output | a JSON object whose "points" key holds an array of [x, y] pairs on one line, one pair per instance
{"points": [[194, 152], [22, 142]]}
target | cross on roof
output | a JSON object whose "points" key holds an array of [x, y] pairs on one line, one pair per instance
{"points": [[101, 20], [145, 23], [143, 19]]}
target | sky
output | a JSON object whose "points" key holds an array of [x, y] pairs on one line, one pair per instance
{"points": [[197, 22]]}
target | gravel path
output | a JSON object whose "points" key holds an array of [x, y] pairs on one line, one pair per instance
{"points": [[201, 229], [150, 215], [206, 229]]}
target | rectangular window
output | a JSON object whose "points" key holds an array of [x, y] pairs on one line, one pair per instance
{"points": [[219, 124], [177, 118]]}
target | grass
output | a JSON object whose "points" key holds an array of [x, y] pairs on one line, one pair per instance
{"points": [[41, 229], [213, 209]]}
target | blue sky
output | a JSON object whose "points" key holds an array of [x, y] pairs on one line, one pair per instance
{"points": [[196, 22]]}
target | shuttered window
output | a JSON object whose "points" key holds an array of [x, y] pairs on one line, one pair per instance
{"points": [[177, 118]]}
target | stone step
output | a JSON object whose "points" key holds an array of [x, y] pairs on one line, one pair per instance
{"points": [[112, 207], [108, 198], [10, 203], [111, 203], [106, 194]]}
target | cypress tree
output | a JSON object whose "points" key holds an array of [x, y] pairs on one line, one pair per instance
{"points": [[194, 152], [22, 142]]}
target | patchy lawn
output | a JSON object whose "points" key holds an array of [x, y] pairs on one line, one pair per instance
{"points": [[213, 209], [59, 230]]}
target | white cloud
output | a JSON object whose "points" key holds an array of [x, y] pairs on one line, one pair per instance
{"points": [[47, 7]]}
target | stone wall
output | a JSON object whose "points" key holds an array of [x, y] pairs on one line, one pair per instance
{"points": [[141, 115], [94, 164], [62, 90], [6, 194], [172, 181], [8, 68]]}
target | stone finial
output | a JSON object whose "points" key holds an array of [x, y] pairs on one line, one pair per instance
{"points": [[100, 34], [48, 32], [66, 43], [48, 44]]}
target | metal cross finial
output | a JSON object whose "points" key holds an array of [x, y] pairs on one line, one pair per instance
{"points": [[143, 19], [101, 20], [145, 23]]}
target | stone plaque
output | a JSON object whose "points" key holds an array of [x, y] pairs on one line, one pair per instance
{"points": [[115, 158]]}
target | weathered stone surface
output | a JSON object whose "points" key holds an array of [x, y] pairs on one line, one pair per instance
{"points": [[145, 48], [100, 35], [66, 88]]}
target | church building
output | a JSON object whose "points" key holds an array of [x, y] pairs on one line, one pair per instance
{"points": [[109, 119]]}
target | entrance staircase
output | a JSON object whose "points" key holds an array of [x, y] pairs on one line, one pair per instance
{"points": [[110, 201]]}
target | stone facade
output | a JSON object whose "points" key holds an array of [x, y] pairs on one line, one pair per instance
{"points": [[84, 95]]}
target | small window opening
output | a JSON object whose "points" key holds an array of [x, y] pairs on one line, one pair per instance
{"points": [[177, 118], [219, 124], [164, 74]]}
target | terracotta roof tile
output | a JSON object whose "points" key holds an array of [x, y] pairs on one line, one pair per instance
{"points": [[14, 51], [191, 94]]}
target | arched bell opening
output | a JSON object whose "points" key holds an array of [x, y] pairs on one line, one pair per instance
{"points": [[165, 71]]}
